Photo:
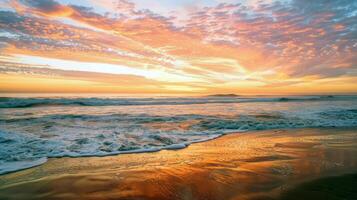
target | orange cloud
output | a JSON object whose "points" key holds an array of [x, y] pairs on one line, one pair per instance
{"points": [[268, 44]]}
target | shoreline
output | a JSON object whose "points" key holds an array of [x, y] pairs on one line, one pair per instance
{"points": [[247, 165], [173, 147]]}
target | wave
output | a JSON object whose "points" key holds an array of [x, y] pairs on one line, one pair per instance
{"points": [[29, 141], [10, 102]]}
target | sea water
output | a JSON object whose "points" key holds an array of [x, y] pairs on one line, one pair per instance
{"points": [[33, 129]]}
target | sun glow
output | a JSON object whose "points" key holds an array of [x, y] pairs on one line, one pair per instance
{"points": [[205, 47]]}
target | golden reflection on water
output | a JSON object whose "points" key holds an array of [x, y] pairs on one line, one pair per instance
{"points": [[238, 166]]}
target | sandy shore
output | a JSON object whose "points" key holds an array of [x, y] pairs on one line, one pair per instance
{"points": [[254, 165]]}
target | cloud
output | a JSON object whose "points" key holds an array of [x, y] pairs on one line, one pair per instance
{"points": [[124, 79], [295, 34], [223, 43]]}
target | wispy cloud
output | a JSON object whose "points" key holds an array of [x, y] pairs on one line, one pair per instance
{"points": [[252, 43]]}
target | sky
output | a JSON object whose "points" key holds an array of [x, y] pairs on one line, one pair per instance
{"points": [[188, 47]]}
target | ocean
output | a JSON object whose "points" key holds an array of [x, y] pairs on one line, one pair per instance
{"points": [[33, 129]]}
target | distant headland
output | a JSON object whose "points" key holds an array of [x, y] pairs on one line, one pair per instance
{"points": [[223, 95]]}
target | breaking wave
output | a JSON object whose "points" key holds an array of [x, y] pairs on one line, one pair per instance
{"points": [[31, 133]]}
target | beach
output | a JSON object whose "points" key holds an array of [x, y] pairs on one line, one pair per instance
{"points": [[178, 100], [270, 164]]}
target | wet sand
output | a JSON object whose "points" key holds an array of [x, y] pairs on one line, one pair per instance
{"points": [[330, 188], [256, 165]]}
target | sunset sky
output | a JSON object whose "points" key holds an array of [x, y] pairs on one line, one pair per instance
{"points": [[179, 46]]}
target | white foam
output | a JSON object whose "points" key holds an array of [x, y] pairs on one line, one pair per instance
{"points": [[7, 167]]}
